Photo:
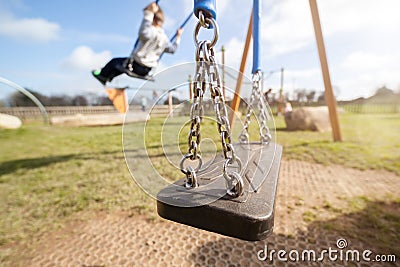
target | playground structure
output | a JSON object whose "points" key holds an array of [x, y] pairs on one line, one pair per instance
{"points": [[315, 204], [29, 95]]}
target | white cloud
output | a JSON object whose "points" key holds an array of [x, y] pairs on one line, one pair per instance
{"points": [[84, 58], [288, 24], [288, 27], [366, 71], [304, 73], [359, 15], [362, 39], [234, 51], [295, 79], [28, 29], [363, 61]]}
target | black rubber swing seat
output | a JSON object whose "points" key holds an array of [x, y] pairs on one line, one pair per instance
{"points": [[248, 217], [135, 75]]}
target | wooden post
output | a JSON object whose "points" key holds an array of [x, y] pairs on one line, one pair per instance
{"points": [[223, 71], [281, 98], [236, 98], [171, 114], [190, 88], [329, 95]]}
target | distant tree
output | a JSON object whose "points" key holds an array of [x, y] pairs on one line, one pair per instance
{"points": [[18, 99], [2, 103], [80, 100], [91, 98], [60, 100], [175, 101], [384, 91], [321, 97], [102, 101], [310, 96], [300, 95], [287, 96]]}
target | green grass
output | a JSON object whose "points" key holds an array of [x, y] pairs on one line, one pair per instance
{"points": [[373, 222], [50, 174], [370, 142]]}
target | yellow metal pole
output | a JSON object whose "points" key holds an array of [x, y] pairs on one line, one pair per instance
{"points": [[170, 104], [190, 88], [281, 99], [329, 95], [223, 71], [236, 98]]}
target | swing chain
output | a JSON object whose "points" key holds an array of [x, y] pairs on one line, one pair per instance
{"points": [[197, 111], [244, 135], [191, 178], [220, 109], [202, 20], [263, 117], [207, 67]]}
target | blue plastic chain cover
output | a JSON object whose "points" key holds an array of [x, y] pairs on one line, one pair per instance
{"points": [[257, 10], [207, 6]]}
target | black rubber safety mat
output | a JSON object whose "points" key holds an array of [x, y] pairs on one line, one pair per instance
{"points": [[248, 217]]}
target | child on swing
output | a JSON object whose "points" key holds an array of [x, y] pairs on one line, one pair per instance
{"points": [[153, 42]]}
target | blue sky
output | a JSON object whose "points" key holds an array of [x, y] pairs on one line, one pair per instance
{"points": [[51, 46]]}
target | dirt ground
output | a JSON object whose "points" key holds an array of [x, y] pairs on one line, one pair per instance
{"points": [[316, 206]]}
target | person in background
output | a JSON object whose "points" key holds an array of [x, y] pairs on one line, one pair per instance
{"points": [[143, 103], [267, 93], [288, 108], [155, 96]]}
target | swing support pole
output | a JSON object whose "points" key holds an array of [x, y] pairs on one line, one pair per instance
{"points": [[170, 105], [236, 98], [190, 80], [257, 9], [329, 95], [223, 71]]}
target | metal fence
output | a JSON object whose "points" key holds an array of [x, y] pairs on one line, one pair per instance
{"points": [[32, 113], [354, 108], [371, 108], [29, 113]]}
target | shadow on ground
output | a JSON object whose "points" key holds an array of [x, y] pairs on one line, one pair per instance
{"points": [[12, 166], [376, 228]]}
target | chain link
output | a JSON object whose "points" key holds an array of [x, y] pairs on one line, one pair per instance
{"points": [[207, 73], [262, 115], [197, 110]]}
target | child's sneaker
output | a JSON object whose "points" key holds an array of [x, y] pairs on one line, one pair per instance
{"points": [[100, 78]]}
